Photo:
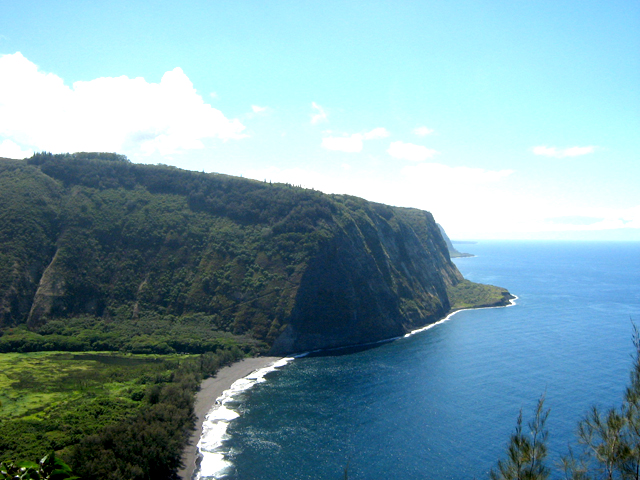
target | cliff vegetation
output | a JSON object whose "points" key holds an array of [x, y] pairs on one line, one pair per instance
{"points": [[123, 285], [97, 253]]}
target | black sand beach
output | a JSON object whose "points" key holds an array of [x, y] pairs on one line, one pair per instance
{"points": [[210, 390]]}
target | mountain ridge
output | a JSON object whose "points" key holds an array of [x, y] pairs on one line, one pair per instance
{"points": [[94, 238]]}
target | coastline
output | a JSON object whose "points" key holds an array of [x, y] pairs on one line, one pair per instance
{"points": [[213, 389], [512, 302], [210, 390]]}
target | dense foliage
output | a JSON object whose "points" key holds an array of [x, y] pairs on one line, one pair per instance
{"points": [[466, 294], [50, 467], [121, 242], [98, 253], [168, 334], [108, 416]]}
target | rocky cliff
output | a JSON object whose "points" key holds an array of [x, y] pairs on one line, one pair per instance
{"points": [[373, 279], [94, 237]]}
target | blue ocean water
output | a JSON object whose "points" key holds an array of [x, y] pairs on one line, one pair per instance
{"points": [[441, 404]]}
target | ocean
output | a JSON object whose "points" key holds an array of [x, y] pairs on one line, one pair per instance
{"points": [[441, 403]]}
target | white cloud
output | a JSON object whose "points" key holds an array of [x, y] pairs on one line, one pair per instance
{"points": [[567, 152], [350, 144], [577, 151], [573, 220], [422, 131], [410, 151], [10, 149], [125, 115], [379, 132], [319, 117], [257, 109], [353, 143]]}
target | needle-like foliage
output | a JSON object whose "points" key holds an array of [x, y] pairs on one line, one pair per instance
{"points": [[526, 452]]}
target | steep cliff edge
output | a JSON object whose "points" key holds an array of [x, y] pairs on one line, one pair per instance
{"points": [[153, 251], [373, 280], [453, 252]]}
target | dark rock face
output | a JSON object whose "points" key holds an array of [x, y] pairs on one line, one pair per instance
{"points": [[374, 280]]}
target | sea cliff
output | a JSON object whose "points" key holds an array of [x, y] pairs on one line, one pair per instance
{"points": [[157, 259]]}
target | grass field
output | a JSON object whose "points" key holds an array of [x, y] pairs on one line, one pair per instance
{"points": [[48, 400], [467, 294], [33, 383]]}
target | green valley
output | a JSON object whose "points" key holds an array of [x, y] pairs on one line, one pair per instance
{"points": [[122, 286]]}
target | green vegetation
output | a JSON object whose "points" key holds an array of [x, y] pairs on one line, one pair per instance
{"points": [[526, 453], [97, 253], [167, 334], [107, 415], [467, 294], [120, 241], [50, 467], [608, 443], [33, 384], [123, 285]]}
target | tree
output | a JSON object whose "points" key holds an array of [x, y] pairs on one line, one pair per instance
{"points": [[603, 438], [631, 412], [526, 453], [50, 467]]}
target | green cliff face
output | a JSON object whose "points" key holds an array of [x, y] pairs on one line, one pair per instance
{"points": [[92, 239], [375, 278]]}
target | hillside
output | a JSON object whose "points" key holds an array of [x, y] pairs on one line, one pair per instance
{"points": [[98, 253], [453, 252]]}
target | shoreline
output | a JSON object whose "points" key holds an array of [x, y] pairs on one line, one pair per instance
{"points": [[512, 303], [211, 389]]}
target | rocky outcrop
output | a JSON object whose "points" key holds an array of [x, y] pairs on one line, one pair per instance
{"points": [[50, 289]]}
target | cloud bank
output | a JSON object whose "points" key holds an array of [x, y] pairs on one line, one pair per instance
{"points": [[126, 115], [460, 197], [10, 149]]}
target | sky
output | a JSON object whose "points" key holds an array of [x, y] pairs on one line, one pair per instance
{"points": [[505, 119]]}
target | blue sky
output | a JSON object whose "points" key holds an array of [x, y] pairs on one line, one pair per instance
{"points": [[505, 119]]}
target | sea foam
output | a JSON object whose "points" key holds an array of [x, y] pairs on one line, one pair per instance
{"points": [[213, 453], [512, 302]]}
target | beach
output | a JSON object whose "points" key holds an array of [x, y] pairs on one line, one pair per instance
{"points": [[210, 390]]}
